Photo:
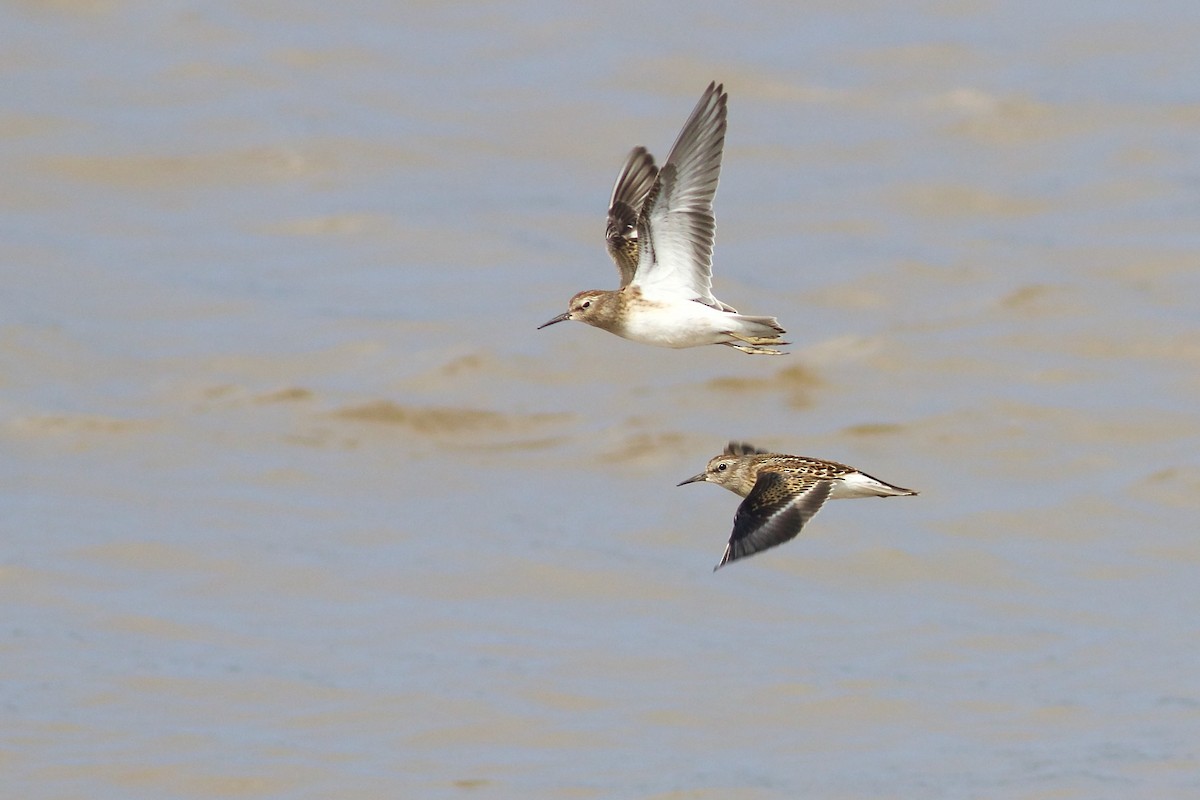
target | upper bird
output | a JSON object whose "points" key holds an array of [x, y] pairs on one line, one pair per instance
{"points": [[660, 234], [782, 493]]}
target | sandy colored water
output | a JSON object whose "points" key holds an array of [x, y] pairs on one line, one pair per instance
{"points": [[298, 503]]}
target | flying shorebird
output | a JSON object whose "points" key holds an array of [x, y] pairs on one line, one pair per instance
{"points": [[782, 493], [660, 235]]}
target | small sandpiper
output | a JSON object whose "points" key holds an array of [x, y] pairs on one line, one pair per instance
{"points": [[782, 493], [660, 235]]}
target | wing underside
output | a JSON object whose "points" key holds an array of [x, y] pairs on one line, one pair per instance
{"points": [[773, 513], [676, 226]]}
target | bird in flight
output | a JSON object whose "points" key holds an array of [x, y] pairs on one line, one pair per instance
{"points": [[660, 234], [781, 493]]}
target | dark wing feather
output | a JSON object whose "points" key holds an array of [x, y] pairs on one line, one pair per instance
{"points": [[676, 225], [634, 183], [743, 449], [772, 514]]}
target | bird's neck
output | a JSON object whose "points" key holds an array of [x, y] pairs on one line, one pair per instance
{"points": [[608, 310], [745, 475]]}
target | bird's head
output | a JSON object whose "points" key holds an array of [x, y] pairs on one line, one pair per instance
{"points": [[732, 472], [589, 306]]}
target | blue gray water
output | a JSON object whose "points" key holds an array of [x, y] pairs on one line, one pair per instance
{"points": [[298, 504]]}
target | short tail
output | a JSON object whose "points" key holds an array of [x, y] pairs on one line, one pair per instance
{"points": [[897, 491], [872, 485], [759, 327]]}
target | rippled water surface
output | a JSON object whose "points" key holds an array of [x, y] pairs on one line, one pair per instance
{"points": [[297, 503]]}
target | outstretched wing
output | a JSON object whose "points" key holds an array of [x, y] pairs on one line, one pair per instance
{"points": [[634, 182], [676, 226], [773, 513]]}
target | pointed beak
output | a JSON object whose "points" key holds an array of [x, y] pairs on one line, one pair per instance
{"points": [[563, 317], [692, 479]]}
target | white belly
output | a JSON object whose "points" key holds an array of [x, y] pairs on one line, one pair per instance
{"points": [[677, 323]]}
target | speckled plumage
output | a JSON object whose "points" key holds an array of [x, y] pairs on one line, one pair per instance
{"points": [[782, 493], [660, 232]]}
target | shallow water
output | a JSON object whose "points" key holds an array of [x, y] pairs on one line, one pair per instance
{"points": [[299, 504]]}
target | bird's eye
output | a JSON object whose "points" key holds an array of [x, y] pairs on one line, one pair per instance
{"points": [[722, 467], [586, 304]]}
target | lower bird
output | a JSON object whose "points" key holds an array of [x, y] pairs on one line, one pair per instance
{"points": [[660, 235], [781, 493]]}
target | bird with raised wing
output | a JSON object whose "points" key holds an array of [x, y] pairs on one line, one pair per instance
{"points": [[660, 233]]}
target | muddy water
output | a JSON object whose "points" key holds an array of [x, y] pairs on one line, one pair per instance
{"points": [[297, 503]]}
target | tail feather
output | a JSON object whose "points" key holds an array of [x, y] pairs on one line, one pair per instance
{"points": [[759, 327], [860, 484], [755, 333]]}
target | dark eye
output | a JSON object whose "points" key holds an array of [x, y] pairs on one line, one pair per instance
{"points": [[586, 304], [721, 467]]}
